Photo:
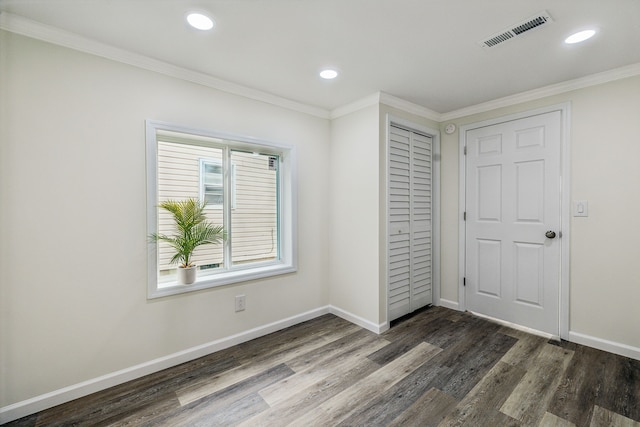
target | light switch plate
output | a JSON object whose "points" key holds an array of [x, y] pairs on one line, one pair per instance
{"points": [[580, 208]]}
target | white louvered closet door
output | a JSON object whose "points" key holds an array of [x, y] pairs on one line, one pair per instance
{"points": [[410, 233]]}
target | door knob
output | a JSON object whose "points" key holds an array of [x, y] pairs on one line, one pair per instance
{"points": [[550, 234]]}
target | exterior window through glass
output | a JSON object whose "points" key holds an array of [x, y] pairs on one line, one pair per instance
{"points": [[212, 188]]}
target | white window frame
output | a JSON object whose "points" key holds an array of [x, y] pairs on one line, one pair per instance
{"points": [[287, 203]]}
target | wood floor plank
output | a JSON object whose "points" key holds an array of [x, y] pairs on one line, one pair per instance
{"points": [[152, 391], [233, 414], [621, 386], [494, 418], [551, 420], [452, 332], [525, 350], [408, 324], [605, 418], [395, 349], [422, 327], [490, 418], [360, 339], [432, 407], [313, 396], [341, 405], [316, 331], [488, 395], [447, 370], [468, 371], [220, 382], [232, 398], [442, 331], [580, 386], [389, 405], [532, 395], [28, 421], [148, 414], [262, 362], [333, 361], [470, 342]]}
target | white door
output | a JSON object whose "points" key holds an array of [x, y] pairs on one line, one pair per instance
{"points": [[512, 269], [410, 221]]}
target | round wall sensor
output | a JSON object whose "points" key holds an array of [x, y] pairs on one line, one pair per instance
{"points": [[451, 128]]}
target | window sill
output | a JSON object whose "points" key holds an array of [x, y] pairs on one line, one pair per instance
{"points": [[221, 279]]}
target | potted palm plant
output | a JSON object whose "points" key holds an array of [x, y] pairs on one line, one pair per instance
{"points": [[192, 230]]}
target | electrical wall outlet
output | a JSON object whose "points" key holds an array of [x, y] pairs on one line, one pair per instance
{"points": [[240, 303]]}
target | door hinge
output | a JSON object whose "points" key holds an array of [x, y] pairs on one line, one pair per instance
{"points": [[464, 281], [465, 150], [464, 216]]}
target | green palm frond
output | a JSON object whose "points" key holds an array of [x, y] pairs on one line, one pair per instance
{"points": [[192, 229]]}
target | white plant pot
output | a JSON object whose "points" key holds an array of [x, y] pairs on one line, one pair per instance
{"points": [[186, 276]]}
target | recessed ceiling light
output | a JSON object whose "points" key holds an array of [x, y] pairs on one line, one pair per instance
{"points": [[580, 36], [328, 74], [200, 21]]}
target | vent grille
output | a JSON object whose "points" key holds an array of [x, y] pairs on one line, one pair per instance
{"points": [[536, 21], [273, 163]]}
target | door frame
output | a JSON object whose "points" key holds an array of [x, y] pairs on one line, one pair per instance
{"points": [[565, 204]]}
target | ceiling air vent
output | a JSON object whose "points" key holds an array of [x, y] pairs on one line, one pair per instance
{"points": [[536, 21]]}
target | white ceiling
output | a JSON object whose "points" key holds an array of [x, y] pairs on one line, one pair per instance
{"points": [[423, 51]]}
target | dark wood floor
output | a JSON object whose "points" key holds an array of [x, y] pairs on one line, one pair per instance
{"points": [[438, 367]]}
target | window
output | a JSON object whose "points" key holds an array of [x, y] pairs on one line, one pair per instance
{"points": [[211, 183], [211, 188], [249, 189]]}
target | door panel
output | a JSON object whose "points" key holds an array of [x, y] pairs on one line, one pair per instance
{"points": [[410, 229], [530, 191], [489, 267], [489, 192], [529, 264], [513, 198]]}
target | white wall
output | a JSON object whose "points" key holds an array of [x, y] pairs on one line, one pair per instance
{"points": [[73, 301], [353, 221], [605, 150]]}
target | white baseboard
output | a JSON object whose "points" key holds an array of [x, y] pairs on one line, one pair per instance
{"points": [[606, 345], [364, 323], [453, 305], [67, 394]]}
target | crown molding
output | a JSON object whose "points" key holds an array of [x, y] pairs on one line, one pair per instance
{"points": [[543, 92], [389, 100], [33, 29], [409, 107], [368, 101]]}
